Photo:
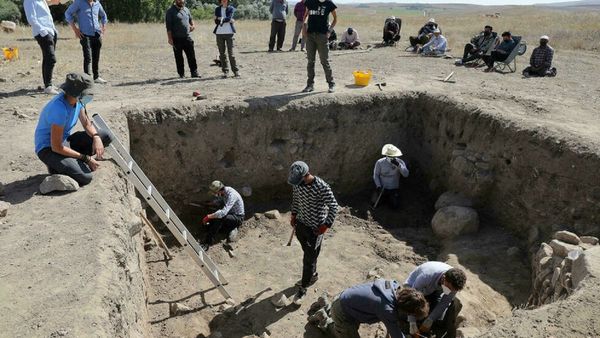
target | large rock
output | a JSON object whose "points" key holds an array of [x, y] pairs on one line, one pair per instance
{"points": [[588, 263], [567, 237], [545, 250], [58, 183], [4, 206], [452, 221], [451, 198], [178, 309], [272, 214], [562, 249], [584, 239]]}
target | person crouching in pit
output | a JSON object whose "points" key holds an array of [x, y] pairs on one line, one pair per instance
{"points": [[228, 218]]}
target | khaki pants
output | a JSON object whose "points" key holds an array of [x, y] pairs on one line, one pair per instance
{"points": [[317, 42], [343, 327]]}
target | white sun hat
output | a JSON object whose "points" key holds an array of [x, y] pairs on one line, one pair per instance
{"points": [[391, 150], [545, 37]]}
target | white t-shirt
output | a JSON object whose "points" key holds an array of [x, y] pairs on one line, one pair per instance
{"points": [[224, 28]]}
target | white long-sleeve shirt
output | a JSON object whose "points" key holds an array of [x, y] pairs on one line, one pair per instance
{"points": [[234, 204], [387, 175], [39, 17], [437, 43]]}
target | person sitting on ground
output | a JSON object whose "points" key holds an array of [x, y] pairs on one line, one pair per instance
{"points": [[228, 218], [540, 63], [332, 41], [369, 303], [436, 46], [350, 39], [391, 31], [439, 283], [480, 45], [424, 34], [500, 52], [386, 176], [62, 152]]}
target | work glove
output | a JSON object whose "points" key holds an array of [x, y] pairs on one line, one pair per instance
{"points": [[321, 230], [205, 220], [413, 328], [395, 162]]}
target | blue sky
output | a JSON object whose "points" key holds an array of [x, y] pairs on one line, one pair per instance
{"points": [[477, 2]]}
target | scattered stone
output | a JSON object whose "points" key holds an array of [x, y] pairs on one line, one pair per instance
{"points": [[373, 274], [273, 214], [584, 239], [513, 251], [467, 332], [280, 300], [225, 308], [58, 183], [544, 251], [4, 206], [246, 191], [451, 198], [257, 216], [452, 221], [178, 308], [567, 237], [21, 115], [546, 263], [561, 249]]}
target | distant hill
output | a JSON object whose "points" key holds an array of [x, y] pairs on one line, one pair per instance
{"points": [[581, 3]]}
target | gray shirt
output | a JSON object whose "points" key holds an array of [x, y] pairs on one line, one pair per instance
{"points": [[178, 21], [234, 204], [387, 175], [279, 9]]}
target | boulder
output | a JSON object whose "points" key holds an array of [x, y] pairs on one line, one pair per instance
{"points": [[567, 237], [467, 332], [8, 26], [562, 249], [545, 250], [4, 206], [555, 276], [588, 263], [451, 198], [545, 263], [272, 214], [58, 183], [584, 239], [452, 221], [265, 335], [178, 308]]}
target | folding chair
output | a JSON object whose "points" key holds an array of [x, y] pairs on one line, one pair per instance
{"points": [[510, 64]]}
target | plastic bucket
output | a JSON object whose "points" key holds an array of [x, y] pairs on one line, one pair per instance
{"points": [[362, 78], [11, 53]]}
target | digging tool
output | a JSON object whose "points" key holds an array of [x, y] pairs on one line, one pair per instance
{"points": [[156, 235], [289, 243], [381, 84], [378, 198], [448, 77]]}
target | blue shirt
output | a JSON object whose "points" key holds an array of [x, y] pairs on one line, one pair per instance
{"points": [[58, 111], [87, 16], [39, 17]]}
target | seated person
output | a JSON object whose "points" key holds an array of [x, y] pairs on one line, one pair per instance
{"points": [[332, 41], [424, 34], [229, 217], [439, 283], [436, 46], [62, 152], [349, 40], [391, 31], [480, 45], [500, 52], [540, 63]]}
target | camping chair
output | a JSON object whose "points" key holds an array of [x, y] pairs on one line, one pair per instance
{"points": [[510, 64]]}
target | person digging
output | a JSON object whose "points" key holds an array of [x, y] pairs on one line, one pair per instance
{"points": [[386, 175], [313, 211], [228, 218]]}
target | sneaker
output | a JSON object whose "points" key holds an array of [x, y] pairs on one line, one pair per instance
{"points": [[291, 50], [313, 280], [308, 89], [100, 80], [299, 296], [50, 90], [459, 62], [224, 76], [302, 49], [270, 51], [279, 50], [204, 246], [236, 74], [196, 75], [319, 317], [181, 76], [233, 235], [331, 88]]}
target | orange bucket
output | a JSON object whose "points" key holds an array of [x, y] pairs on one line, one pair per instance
{"points": [[10, 53]]}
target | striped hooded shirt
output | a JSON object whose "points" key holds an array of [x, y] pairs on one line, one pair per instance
{"points": [[314, 204], [234, 204]]}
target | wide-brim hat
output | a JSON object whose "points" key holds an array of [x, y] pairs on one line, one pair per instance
{"points": [[297, 172], [391, 151], [437, 30], [215, 186], [432, 20], [78, 85], [544, 37]]}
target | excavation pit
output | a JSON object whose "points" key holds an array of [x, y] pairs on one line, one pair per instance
{"points": [[525, 186]]}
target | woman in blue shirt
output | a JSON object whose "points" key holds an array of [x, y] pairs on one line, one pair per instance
{"points": [[63, 152]]}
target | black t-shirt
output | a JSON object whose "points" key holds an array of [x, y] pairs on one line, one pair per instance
{"points": [[318, 15]]}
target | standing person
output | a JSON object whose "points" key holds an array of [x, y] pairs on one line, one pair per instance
{"points": [[313, 211], [92, 25], [228, 218], [540, 63], [350, 39], [386, 175], [56, 121], [44, 32], [279, 11], [180, 24], [299, 10], [439, 283], [317, 31], [501, 52], [224, 30]]}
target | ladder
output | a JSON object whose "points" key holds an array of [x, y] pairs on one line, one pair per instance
{"points": [[161, 207]]}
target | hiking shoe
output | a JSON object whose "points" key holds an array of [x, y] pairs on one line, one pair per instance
{"points": [[291, 50], [50, 90], [233, 235], [331, 88], [196, 75], [100, 80], [236, 75], [313, 280], [308, 89], [459, 62], [302, 50], [224, 76], [299, 296], [318, 317]]}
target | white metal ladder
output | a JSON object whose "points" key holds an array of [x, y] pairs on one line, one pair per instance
{"points": [[161, 207]]}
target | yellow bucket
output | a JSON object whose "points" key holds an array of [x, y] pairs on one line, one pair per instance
{"points": [[11, 53], [362, 78]]}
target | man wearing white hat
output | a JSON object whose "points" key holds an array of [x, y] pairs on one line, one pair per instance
{"points": [[424, 34], [228, 218], [436, 46], [386, 175], [541, 60]]}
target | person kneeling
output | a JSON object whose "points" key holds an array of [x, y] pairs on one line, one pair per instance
{"points": [[541, 60], [228, 218], [62, 152]]}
